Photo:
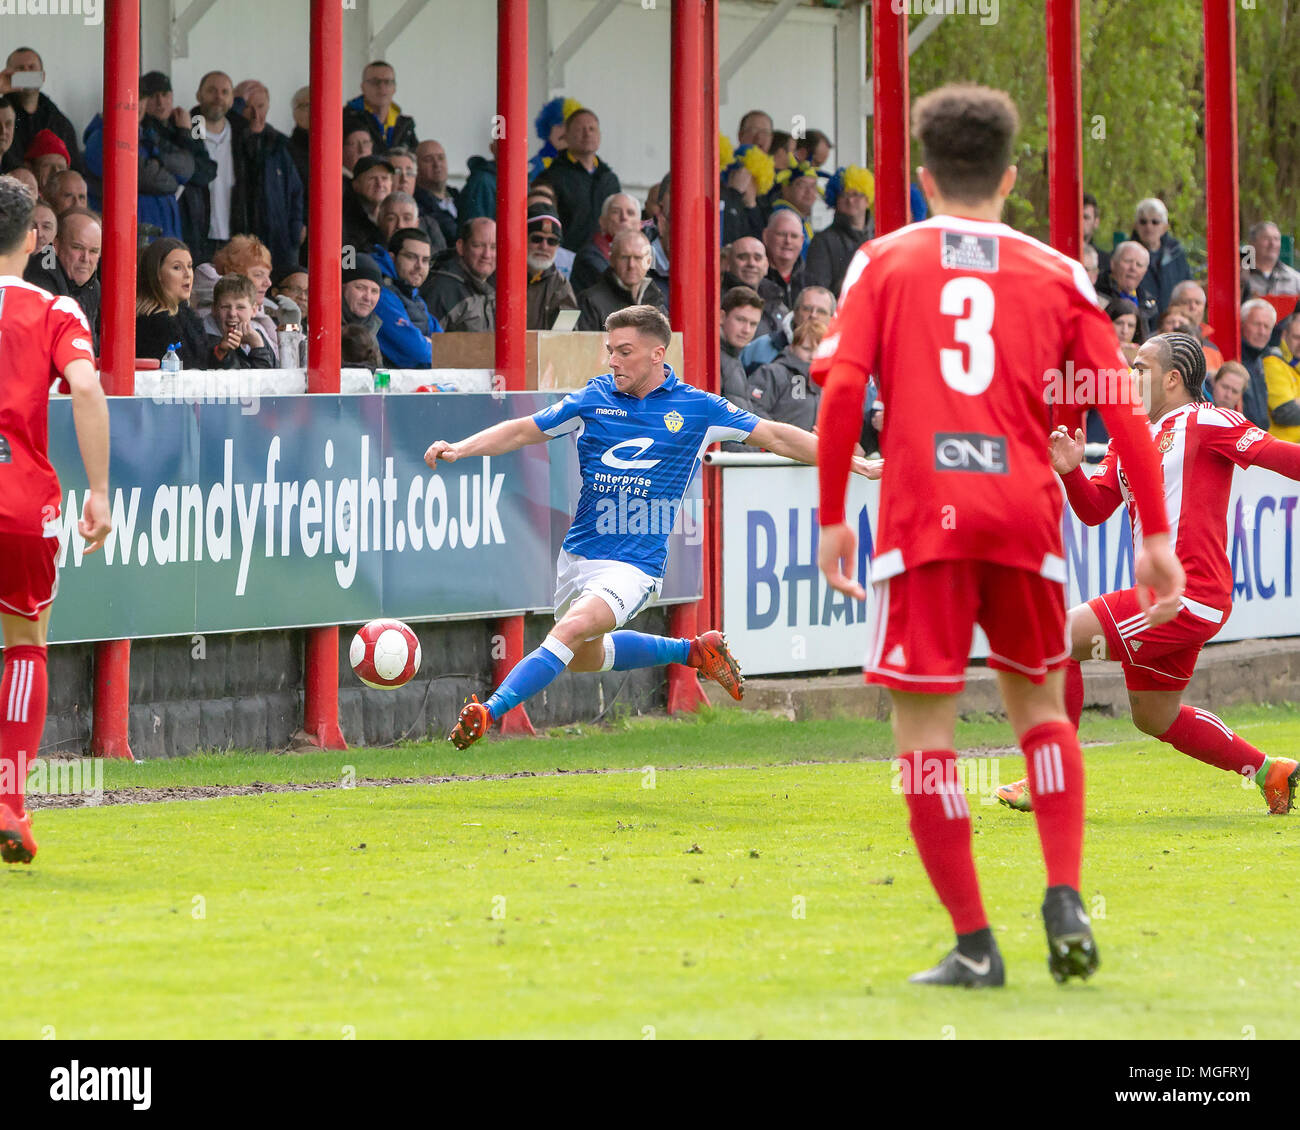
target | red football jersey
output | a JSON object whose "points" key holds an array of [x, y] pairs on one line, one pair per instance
{"points": [[1199, 447], [40, 335], [970, 329]]}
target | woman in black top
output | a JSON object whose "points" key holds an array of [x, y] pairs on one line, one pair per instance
{"points": [[163, 318]]}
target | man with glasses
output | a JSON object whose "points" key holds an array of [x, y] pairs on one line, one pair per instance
{"points": [[1168, 265], [813, 302], [375, 109], [548, 290], [406, 326]]}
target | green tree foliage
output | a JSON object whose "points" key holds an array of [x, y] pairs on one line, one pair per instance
{"points": [[1143, 105]]}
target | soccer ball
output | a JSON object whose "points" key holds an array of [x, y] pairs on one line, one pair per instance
{"points": [[385, 654]]}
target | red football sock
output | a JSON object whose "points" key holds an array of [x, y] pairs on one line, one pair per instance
{"points": [[1074, 692], [1055, 765], [941, 828], [22, 719], [1201, 735]]}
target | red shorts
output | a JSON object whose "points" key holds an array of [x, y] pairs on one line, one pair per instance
{"points": [[29, 574], [1160, 658], [922, 620]]}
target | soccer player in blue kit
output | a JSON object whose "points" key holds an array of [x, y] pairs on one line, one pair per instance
{"points": [[640, 432]]}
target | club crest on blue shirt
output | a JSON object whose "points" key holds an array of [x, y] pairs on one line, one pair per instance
{"points": [[674, 421]]}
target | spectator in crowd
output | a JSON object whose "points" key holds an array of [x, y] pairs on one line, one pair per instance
{"points": [[236, 342], [548, 292], [398, 210], [1167, 263], [742, 308], [1128, 267], [744, 263], [782, 150], [619, 213], [405, 183], [169, 156], [1281, 364], [35, 111], [783, 238], [272, 202], [659, 233], [814, 148], [357, 143], [1091, 221], [1189, 299], [375, 109], [470, 272], [755, 129], [1125, 320], [372, 181], [291, 283], [7, 118], [66, 190], [300, 139], [45, 156], [1257, 321], [359, 349], [746, 180], [206, 209], [626, 282], [73, 272], [479, 196], [549, 125], [564, 258], [815, 303], [23, 174], [406, 326], [46, 224], [242, 255], [1264, 272], [782, 390], [798, 188], [1089, 258], [1225, 388], [163, 318], [435, 197], [1175, 321], [362, 287], [851, 192], [581, 180]]}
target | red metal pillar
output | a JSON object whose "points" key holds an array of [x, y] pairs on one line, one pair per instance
{"points": [[889, 119], [710, 614], [325, 340], [512, 277], [108, 737], [1222, 203], [1064, 128], [687, 265]]}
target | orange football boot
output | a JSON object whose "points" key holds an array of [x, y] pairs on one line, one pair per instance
{"points": [[16, 842], [473, 722], [711, 655]]}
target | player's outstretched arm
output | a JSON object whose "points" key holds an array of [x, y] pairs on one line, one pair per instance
{"points": [[509, 435], [90, 418], [795, 443]]}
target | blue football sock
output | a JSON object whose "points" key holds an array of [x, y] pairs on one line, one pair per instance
{"points": [[536, 671], [637, 649]]}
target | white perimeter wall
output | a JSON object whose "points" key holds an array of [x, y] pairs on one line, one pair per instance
{"points": [[446, 65]]}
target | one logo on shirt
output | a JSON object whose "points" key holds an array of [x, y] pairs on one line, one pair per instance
{"points": [[970, 451], [1248, 437], [962, 251], [5, 456], [639, 446], [674, 421], [1165, 442]]}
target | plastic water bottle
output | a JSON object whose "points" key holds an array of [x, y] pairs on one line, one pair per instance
{"points": [[382, 380], [171, 368]]}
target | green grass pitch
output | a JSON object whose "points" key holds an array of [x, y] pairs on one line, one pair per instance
{"points": [[746, 894]]}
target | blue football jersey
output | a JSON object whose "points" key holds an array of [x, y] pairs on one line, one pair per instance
{"points": [[637, 456]]}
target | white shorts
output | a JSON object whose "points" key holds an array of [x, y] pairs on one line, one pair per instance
{"points": [[625, 588]]}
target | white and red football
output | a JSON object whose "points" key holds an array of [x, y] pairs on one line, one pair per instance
{"points": [[385, 654]]}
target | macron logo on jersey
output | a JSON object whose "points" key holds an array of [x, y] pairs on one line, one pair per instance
{"points": [[639, 446]]}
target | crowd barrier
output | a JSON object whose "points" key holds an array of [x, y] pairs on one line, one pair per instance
{"points": [[779, 613]]}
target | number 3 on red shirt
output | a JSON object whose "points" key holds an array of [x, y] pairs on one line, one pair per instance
{"points": [[971, 330]]}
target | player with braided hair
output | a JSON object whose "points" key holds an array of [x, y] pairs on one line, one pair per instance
{"points": [[1199, 446]]}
